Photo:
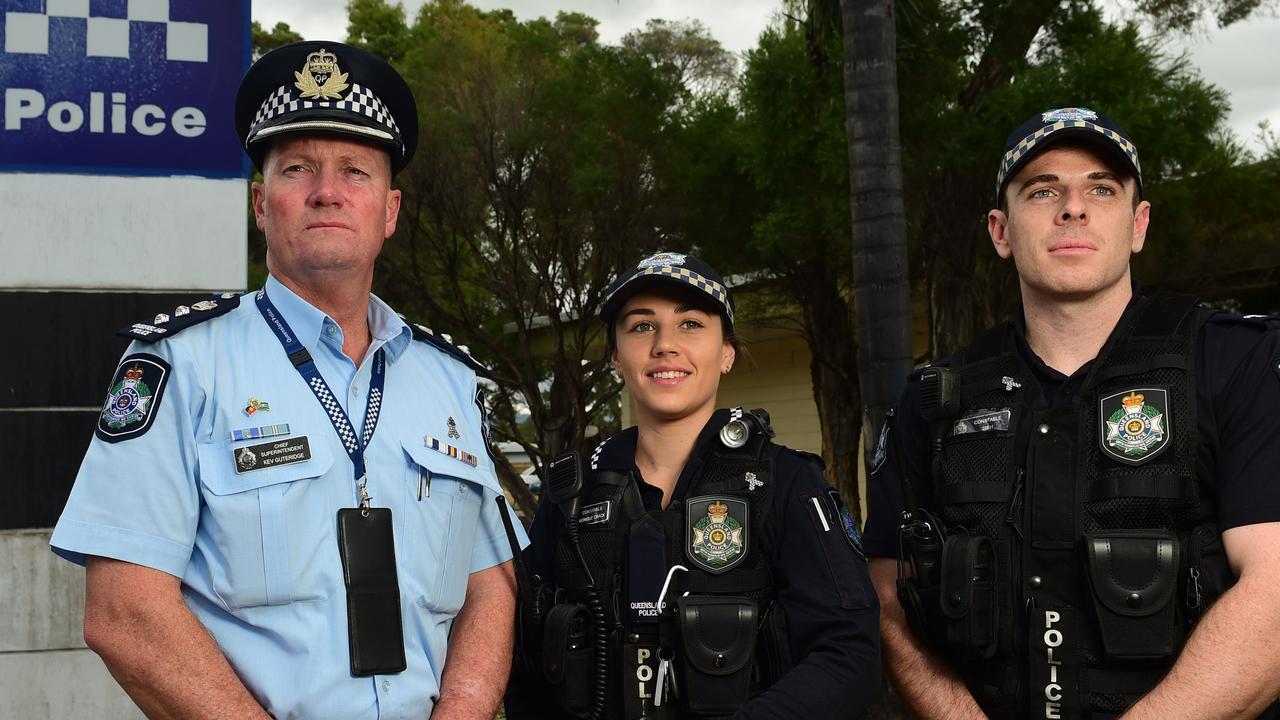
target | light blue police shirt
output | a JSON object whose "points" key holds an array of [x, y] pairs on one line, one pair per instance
{"points": [[257, 551]]}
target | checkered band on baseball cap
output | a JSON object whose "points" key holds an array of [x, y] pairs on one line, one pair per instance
{"points": [[1053, 127], [668, 268], [329, 88]]}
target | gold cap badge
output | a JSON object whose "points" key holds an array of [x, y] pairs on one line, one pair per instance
{"points": [[320, 77]]}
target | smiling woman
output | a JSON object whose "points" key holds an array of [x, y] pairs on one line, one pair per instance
{"points": [[742, 569]]}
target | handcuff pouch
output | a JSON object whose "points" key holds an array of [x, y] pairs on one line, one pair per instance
{"points": [[719, 637], [566, 658], [968, 594], [1134, 574]]}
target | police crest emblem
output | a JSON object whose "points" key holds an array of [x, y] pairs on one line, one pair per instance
{"points": [[134, 393], [321, 78], [716, 532], [1135, 425]]}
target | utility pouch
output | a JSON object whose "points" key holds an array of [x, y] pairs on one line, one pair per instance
{"points": [[1134, 574], [719, 637], [920, 549], [566, 658], [969, 594], [775, 646], [1208, 572]]}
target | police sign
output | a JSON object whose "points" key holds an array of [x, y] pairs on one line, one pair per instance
{"points": [[123, 87]]}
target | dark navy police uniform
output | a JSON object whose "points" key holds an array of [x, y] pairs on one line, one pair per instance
{"points": [[1236, 452], [820, 582]]}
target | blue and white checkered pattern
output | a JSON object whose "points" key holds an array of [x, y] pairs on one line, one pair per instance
{"points": [[689, 277], [360, 100], [1028, 143], [336, 414], [27, 33], [371, 414], [595, 454]]}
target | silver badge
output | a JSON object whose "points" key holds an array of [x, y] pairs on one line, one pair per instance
{"points": [[753, 482], [1010, 384], [1068, 114], [453, 429], [204, 305], [161, 319], [734, 434], [181, 310], [246, 459]]}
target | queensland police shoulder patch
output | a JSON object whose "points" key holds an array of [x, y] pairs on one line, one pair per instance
{"points": [[716, 532], [847, 524], [132, 397], [1135, 425]]}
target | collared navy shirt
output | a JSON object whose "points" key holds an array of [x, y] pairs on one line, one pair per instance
{"points": [[836, 649]]}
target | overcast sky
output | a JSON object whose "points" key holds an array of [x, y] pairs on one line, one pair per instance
{"points": [[1244, 59]]}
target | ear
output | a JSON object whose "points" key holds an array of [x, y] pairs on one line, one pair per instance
{"points": [[1141, 220], [998, 229], [393, 213], [259, 202], [727, 355]]}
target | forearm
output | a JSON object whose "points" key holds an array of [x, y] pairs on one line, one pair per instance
{"points": [[480, 646], [927, 683], [162, 656], [1230, 666]]}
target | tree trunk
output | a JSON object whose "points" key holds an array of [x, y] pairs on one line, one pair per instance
{"points": [[881, 292], [835, 381]]}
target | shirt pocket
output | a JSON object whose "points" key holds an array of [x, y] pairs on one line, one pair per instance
{"points": [[440, 527], [266, 535]]}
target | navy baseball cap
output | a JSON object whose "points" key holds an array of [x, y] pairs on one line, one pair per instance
{"points": [[668, 268], [326, 87], [1075, 125]]}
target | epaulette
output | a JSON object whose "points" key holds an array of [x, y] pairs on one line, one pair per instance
{"points": [[805, 455], [444, 343], [1222, 317], [168, 324]]}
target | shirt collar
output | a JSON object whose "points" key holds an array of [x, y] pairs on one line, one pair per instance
{"points": [[1037, 365], [308, 321], [619, 451]]}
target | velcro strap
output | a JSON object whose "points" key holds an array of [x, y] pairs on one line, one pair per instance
{"points": [[958, 493], [1163, 486]]}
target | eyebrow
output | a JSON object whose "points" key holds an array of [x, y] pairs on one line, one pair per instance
{"points": [[648, 312], [1051, 178]]}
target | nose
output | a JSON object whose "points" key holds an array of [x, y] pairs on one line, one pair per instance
{"points": [[663, 343], [324, 189], [1073, 207]]}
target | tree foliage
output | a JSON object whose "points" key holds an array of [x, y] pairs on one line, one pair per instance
{"points": [[264, 41]]}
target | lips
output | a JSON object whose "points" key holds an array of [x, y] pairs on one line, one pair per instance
{"points": [[1072, 247], [324, 225], [667, 375]]}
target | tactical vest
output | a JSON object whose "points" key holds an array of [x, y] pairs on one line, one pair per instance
{"points": [[717, 639], [1078, 551]]}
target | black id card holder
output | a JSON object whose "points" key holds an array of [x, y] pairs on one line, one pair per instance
{"points": [[374, 630]]}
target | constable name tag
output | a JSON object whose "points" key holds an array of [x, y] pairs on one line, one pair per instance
{"points": [[594, 514], [983, 421], [271, 454]]}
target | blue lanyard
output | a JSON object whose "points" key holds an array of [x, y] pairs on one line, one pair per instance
{"points": [[306, 367]]}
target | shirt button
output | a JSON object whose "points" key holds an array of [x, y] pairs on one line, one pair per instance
{"points": [[355, 390], [330, 330], [386, 686]]}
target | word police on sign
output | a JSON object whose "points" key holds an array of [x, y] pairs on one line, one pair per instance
{"points": [[139, 87]]}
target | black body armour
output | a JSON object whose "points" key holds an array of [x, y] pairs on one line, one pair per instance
{"points": [[1078, 551], [611, 650]]}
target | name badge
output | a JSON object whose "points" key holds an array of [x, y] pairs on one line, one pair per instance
{"points": [[983, 421], [271, 454], [595, 514]]}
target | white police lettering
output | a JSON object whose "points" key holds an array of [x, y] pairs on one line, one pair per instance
{"points": [[67, 116], [644, 673], [1052, 689], [645, 609]]}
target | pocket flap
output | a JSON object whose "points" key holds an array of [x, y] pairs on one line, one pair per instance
{"points": [[719, 632], [441, 463], [1134, 572], [218, 467], [967, 561]]}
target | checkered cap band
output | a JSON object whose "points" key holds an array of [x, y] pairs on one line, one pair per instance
{"points": [[360, 101], [689, 277], [1028, 143]]}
